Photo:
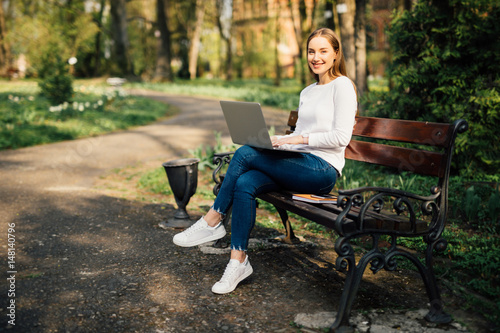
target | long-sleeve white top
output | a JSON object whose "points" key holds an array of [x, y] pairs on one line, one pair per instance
{"points": [[327, 114]]}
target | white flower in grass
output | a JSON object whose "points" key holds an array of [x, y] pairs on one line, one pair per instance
{"points": [[75, 105], [57, 108], [81, 108], [100, 102], [31, 98]]}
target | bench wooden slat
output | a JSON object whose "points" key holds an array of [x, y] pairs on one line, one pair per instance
{"points": [[434, 134], [404, 159]]}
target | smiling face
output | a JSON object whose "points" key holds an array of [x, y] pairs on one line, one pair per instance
{"points": [[321, 56]]}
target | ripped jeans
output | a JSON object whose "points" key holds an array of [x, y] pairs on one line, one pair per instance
{"points": [[255, 171]]}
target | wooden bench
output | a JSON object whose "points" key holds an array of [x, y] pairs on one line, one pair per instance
{"points": [[378, 211]]}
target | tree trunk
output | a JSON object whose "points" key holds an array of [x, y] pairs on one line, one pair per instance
{"points": [[163, 70], [120, 38], [297, 26], [225, 34], [194, 47], [346, 20], [277, 78], [97, 51], [360, 42], [303, 14], [4, 46]]}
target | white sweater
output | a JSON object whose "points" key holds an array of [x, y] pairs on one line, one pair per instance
{"points": [[327, 113]]}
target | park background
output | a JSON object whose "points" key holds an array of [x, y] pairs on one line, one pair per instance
{"points": [[417, 60]]}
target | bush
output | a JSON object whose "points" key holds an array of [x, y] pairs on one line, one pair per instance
{"points": [[446, 66], [56, 83]]}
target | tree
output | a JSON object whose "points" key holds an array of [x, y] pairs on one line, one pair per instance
{"points": [[303, 14], [4, 45], [97, 51], [194, 47], [120, 50], [347, 34], [360, 47], [224, 23], [163, 70], [351, 25], [446, 66]]}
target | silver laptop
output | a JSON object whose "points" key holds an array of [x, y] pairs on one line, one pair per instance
{"points": [[247, 126]]}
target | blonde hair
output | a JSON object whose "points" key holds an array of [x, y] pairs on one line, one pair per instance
{"points": [[338, 68]]}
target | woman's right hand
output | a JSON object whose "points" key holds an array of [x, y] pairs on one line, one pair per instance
{"points": [[287, 139]]}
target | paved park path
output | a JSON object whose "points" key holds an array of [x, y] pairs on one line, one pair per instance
{"points": [[88, 262]]}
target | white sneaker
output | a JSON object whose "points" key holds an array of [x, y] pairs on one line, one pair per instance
{"points": [[235, 273], [199, 233]]}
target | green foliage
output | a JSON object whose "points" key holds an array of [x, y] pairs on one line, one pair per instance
{"points": [[494, 207], [155, 181], [446, 66], [471, 203], [481, 207], [205, 153], [476, 256], [56, 83], [51, 30]]}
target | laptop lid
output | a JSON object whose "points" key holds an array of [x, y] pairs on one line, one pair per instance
{"points": [[247, 126]]}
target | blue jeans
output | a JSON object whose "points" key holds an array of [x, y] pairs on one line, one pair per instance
{"points": [[255, 171]]}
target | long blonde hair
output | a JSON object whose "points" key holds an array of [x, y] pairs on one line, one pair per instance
{"points": [[338, 67]]}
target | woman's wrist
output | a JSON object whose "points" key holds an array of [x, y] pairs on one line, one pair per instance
{"points": [[305, 139]]}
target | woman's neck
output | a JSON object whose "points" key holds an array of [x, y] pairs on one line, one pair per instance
{"points": [[325, 79]]}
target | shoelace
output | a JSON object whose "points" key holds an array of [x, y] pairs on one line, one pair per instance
{"points": [[195, 227], [230, 269]]}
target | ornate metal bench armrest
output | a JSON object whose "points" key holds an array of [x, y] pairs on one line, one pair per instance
{"points": [[220, 159], [372, 199]]}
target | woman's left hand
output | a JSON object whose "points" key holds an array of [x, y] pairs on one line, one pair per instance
{"points": [[290, 140]]}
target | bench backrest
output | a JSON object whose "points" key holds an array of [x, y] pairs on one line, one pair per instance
{"points": [[376, 148]]}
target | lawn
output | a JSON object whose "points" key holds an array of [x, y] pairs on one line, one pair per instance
{"points": [[28, 119]]}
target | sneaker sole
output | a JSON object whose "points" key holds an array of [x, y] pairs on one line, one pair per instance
{"points": [[241, 278], [200, 241]]}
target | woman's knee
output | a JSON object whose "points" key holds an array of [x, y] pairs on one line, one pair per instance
{"points": [[252, 183], [244, 152], [245, 186]]}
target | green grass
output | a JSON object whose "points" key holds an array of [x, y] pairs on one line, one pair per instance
{"points": [[284, 97], [28, 119]]}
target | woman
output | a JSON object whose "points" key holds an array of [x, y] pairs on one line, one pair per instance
{"points": [[327, 112]]}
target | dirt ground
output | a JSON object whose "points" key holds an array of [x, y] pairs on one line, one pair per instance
{"points": [[90, 256]]}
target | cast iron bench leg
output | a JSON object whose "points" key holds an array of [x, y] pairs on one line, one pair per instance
{"points": [[289, 237], [347, 260], [436, 312]]}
